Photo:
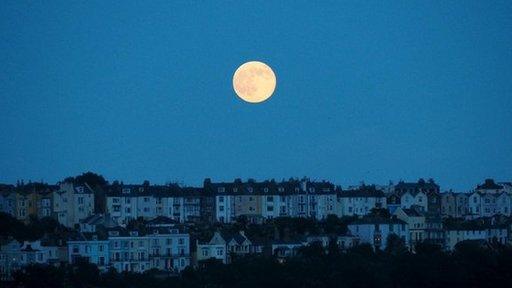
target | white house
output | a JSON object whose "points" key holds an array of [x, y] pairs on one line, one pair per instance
{"points": [[163, 248], [122, 205], [214, 249], [415, 198], [375, 231], [473, 231], [278, 204], [225, 248], [359, 202], [128, 202], [504, 203], [224, 205], [91, 250]]}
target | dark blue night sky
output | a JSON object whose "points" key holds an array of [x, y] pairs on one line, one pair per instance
{"points": [[367, 90]]}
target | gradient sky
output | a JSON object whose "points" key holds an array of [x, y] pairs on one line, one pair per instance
{"points": [[367, 90]]}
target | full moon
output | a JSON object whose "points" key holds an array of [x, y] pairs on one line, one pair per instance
{"points": [[254, 82]]}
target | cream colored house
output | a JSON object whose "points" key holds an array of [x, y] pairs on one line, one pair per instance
{"points": [[73, 203], [415, 219]]}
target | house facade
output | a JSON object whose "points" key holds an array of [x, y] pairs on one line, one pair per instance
{"points": [[359, 202], [375, 231], [91, 250], [455, 205], [15, 255], [72, 203]]}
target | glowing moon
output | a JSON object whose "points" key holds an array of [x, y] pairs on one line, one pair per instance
{"points": [[254, 82]]}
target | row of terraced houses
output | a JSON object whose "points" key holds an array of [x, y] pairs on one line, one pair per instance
{"points": [[224, 202]]}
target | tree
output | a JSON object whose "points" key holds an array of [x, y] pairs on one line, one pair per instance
{"points": [[427, 248], [380, 212], [395, 245], [90, 178]]}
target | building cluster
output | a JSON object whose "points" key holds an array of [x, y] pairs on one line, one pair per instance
{"points": [[412, 211]]}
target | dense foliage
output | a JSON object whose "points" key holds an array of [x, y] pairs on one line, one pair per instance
{"points": [[468, 266], [11, 227]]}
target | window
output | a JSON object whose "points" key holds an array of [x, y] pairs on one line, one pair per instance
{"points": [[221, 198], [270, 208], [221, 208], [205, 252], [181, 241], [100, 248], [146, 199], [270, 198]]}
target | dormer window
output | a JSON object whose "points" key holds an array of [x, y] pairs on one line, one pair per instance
{"points": [[235, 189], [265, 189], [280, 189], [249, 189], [221, 190], [126, 190]]}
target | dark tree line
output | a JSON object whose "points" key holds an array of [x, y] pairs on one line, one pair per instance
{"points": [[36, 228], [468, 266]]}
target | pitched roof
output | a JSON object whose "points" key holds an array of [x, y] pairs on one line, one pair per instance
{"points": [[100, 219], [413, 212], [161, 220], [364, 193], [377, 220]]}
